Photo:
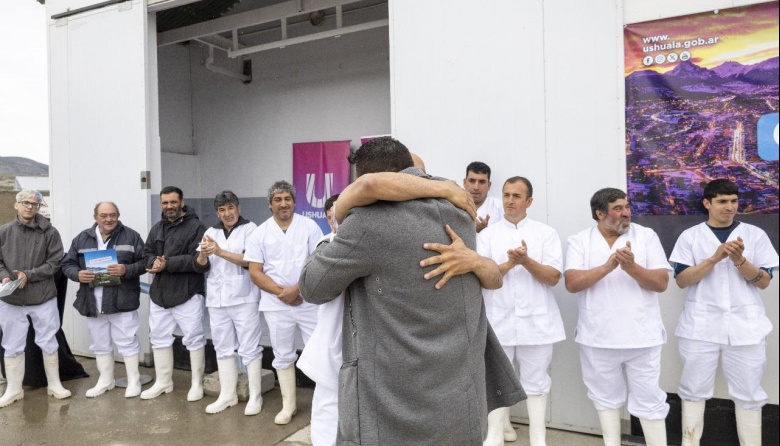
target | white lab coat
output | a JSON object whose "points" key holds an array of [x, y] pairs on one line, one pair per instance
{"points": [[494, 207], [616, 312], [723, 307], [282, 255], [523, 311], [228, 284]]}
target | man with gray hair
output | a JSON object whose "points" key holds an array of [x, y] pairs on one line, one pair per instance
{"points": [[30, 253], [111, 308], [276, 252], [617, 268]]}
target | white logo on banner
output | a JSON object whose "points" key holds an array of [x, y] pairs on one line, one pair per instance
{"points": [[318, 202]]}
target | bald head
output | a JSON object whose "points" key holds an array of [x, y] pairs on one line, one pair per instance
{"points": [[418, 162]]}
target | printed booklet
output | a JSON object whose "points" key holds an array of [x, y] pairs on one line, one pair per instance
{"points": [[97, 262]]}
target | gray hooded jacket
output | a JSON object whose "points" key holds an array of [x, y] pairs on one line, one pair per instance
{"points": [[34, 248]]}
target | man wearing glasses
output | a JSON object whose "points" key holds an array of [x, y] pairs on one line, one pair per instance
{"points": [[31, 252]]}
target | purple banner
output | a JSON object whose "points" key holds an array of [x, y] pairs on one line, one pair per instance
{"points": [[320, 169]]}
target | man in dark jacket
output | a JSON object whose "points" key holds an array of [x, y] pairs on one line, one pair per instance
{"points": [[30, 252], [111, 309], [420, 362], [177, 291]]}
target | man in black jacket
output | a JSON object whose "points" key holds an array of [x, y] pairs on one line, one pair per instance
{"points": [[110, 308], [177, 291]]}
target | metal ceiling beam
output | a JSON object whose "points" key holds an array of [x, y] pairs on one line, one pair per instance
{"points": [[162, 5], [308, 38], [267, 14], [220, 42]]}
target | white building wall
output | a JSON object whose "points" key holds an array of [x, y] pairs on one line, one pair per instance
{"points": [[101, 127], [534, 88]]}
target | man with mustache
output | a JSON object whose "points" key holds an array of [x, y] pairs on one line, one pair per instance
{"points": [[617, 268], [722, 263], [176, 292], [276, 251]]}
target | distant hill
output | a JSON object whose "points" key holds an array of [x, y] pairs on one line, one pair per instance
{"points": [[25, 167]]}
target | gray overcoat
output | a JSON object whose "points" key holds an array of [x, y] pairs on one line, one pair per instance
{"points": [[414, 358]]}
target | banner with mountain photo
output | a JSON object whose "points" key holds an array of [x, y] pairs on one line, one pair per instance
{"points": [[702, 103]]}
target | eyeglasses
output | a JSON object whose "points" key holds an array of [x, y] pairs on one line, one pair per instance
{"points": [[30, 204]]}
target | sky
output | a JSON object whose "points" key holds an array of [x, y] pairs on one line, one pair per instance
{"points": [[747, 35], [24, 91]]}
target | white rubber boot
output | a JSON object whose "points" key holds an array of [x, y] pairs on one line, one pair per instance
{"points": [[692, 422], [163, 381], [197, 365], [105, 365], [51, 364], [537, 414], [14, 370], [510, 434], [287, 386], [495, 427], [254, 375], [133, 377], [610, 426], [228, 379], [748, 426], [655, 432]]}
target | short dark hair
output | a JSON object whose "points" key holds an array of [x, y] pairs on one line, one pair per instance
{"points": [[525, 181], [116, 208], [720, 186], [279, 187], [225, 197], [602, 198], [172, 189], [329, 202], [478, 167], [383, 154]]}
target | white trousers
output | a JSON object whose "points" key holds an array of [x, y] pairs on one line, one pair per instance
{"points": [[188, 316], [534, 363], [743, 368], [120, 329], [281, 329], [612, 375], [13, 323], [236, 327], [324, 415]]}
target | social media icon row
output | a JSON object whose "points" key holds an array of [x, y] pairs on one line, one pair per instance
{"points": [[659, 59]]}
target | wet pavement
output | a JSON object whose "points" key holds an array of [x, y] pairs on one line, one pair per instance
{"points": [[111, 419]]}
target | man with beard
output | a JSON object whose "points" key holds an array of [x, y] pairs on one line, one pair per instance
{"points": [[176, 292], [618, 268], [111, 311], [276, 251]]}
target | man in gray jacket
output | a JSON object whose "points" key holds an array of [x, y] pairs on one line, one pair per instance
{"points": [[414, 356], [31, 252]]}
